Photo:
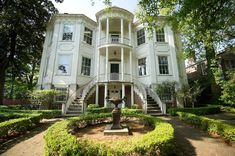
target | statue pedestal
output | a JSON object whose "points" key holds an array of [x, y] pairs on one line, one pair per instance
{"points": [[109, 131], [116, 118]]}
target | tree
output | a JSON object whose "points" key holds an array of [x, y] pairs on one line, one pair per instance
{"points": [[22, 29], [205, 26]]}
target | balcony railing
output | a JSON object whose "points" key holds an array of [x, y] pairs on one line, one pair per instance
{"points": [[115, 77], [114, 40]]}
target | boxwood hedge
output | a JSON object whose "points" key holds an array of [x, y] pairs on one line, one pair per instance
{"points": [[197, 111], [226, 131], [60, 141], [26, 120]]}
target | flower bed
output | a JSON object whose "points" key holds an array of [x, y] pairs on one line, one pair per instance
{"points": [[197, 111], [212, 126], [59, 139]]}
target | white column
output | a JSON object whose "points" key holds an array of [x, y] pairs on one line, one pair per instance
{"points": [[98, 65], [107, 62], [105, 94], [121, 30], [122, 63], [97, 94], [132, 94], [130, 60], [129, 29], [107, 30], [99, 35], [123, 94]]}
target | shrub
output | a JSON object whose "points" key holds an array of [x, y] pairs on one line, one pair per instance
{"points": [[226, 131], [134, 106], [59, 140], [43, 98], [197, 111], [18, 125], [95, 110], [93, 106], [227, 109]]}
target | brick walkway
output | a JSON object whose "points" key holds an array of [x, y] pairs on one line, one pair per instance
{"points": [[192, 141]]}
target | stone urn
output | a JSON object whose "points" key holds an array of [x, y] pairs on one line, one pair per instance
{"points": [[116, 113]]}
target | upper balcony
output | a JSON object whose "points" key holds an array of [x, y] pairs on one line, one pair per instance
{"points": [[115, 27]]}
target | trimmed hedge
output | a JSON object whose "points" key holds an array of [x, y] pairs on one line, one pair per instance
{"points": [[213, 126], [27, 120], [197, 111], [228, 109], [18, 125], [60, 141]]}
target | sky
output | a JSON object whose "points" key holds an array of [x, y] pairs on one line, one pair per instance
{"points": [[85, 6]]}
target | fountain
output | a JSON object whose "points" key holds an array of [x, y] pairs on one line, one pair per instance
{"points": [[116, 128]]}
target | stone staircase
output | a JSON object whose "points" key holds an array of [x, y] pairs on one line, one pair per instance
{"points": [[153, 107], [75, 108]]}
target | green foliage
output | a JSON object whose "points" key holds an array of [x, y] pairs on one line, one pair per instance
{"points": [[95, 110], [59, 140], [197, 111], [226, 131], [227, 109], [43, 98], [227, 84], [13, 122], [166, 90], [189, 94], [93, 106], [134, 106]]}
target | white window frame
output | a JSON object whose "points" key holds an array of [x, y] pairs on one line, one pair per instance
{"points": [[85, 66], [70, 65], [72, 32], [160, 35], [142, 67], [142, 37], [168, 65], [86, 37]]}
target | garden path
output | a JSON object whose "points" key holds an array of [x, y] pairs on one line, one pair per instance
{"points": [[192, 141], [30, 144]]}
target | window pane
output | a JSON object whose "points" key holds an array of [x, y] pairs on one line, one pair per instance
{"points": [[163, 65], [67, 32], [140, 37], [64, 63], [87, 36], [142, 66], [160, 36], [86, 66]]}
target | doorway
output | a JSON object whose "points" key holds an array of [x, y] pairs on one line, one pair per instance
{"points": [[114, 71]]}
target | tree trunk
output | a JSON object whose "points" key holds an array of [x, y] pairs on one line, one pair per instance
{"points": [[210, 56], [2, 82]]}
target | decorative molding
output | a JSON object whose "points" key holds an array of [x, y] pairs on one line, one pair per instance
{"points": [[66, 46]]}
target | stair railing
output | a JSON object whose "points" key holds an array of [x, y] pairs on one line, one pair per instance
{"points": [[80, 92], [156, 98], [140, 90]]}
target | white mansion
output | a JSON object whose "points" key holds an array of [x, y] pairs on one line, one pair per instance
{"points": [[89, 61]]}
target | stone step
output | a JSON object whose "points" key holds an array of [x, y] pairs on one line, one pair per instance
{"points": [[71, 115], [156, 114], [154, 111], [153, 107], [74, 112], [75, 106]]}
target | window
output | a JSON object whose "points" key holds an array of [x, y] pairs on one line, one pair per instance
{"points": [[62, 95], [64, 64], [142, 66], [163, 65], [86, 66], [88, 36], [140, 37], [67, 32], [229, 64], [160, 36]]}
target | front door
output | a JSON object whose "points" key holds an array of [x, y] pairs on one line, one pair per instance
{"points": [[114, 71]]}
